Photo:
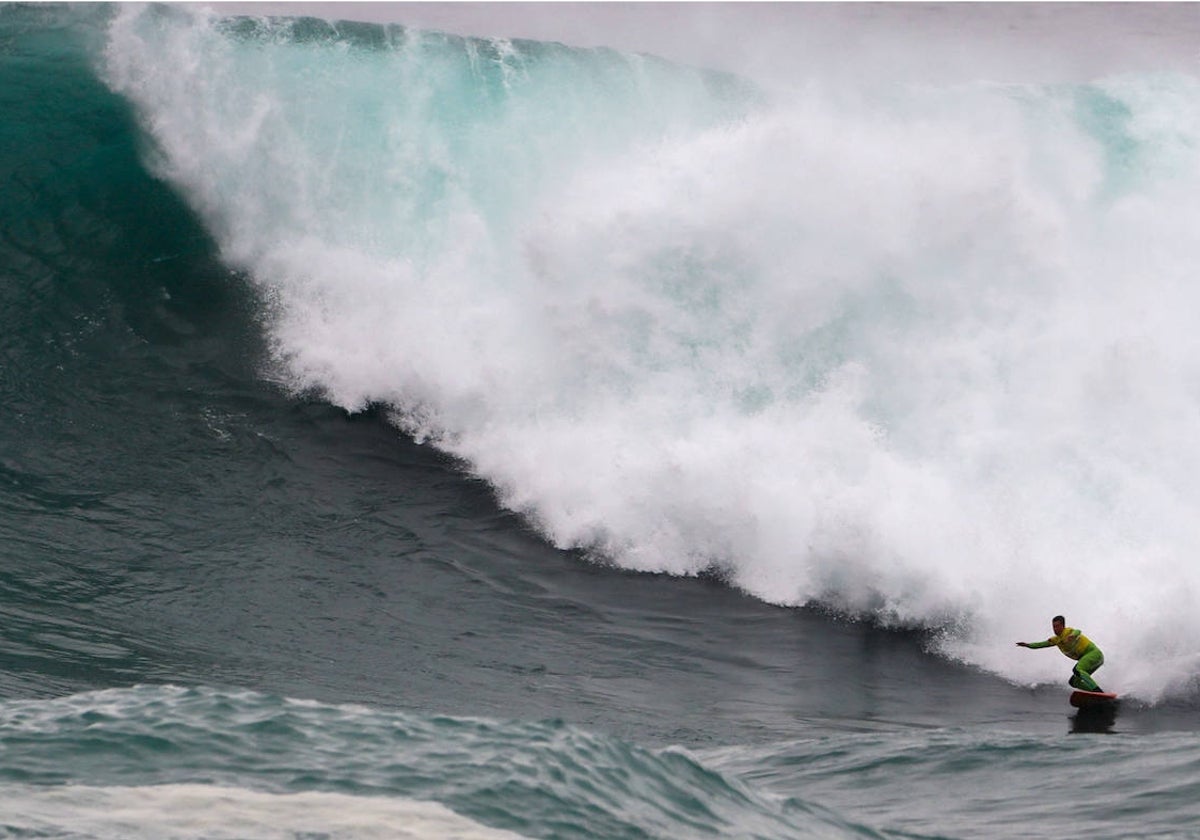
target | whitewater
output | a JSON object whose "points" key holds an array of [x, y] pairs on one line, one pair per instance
{"points": [[917, 354]]}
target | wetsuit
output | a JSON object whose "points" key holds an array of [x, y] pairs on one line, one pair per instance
{"points": [[1080, 648]]}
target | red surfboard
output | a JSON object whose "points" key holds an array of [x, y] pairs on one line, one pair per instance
{"points": [[1091, 698]]}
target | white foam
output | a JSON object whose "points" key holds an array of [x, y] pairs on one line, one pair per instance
{"points": [[925, 355], [215, 812]]}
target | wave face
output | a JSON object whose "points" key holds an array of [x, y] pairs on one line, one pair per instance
{"points": [[923, 355]]}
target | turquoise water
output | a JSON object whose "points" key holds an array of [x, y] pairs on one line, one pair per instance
{"points": [[408, 435]]}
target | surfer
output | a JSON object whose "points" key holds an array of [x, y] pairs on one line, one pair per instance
{"points": [[1077, 646]]}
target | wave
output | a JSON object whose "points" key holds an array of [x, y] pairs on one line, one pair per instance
{"points": [[206, 762], [152, 761], [921, 353]]}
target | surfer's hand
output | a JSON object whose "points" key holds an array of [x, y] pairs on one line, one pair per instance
{"points": [[1022, 644]]}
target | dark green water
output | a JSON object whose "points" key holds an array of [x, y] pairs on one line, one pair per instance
{"points": [[229, 607]]}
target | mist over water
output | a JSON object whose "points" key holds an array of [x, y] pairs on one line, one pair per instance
{"points": [[922, 353]]}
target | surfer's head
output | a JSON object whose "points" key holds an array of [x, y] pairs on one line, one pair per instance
{"points": [[1058, 623]]}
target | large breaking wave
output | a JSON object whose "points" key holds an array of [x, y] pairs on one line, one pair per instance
{"points": [[922, 354]]}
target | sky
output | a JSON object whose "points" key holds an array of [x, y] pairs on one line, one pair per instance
{"points": [[1002, 41]]}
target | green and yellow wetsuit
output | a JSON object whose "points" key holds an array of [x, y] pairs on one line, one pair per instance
{"points": [[1080, 648]]}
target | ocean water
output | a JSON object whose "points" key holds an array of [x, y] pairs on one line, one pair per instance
{"points": [[415, 435]]}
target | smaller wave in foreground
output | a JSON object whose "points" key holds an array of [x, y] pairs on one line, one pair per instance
{"points": [[238, 760]]}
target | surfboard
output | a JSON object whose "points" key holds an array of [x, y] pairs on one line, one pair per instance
{"points": [[1091, 698]]}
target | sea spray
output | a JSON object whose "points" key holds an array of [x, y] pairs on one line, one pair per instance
{"points": [[923, 354]]}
